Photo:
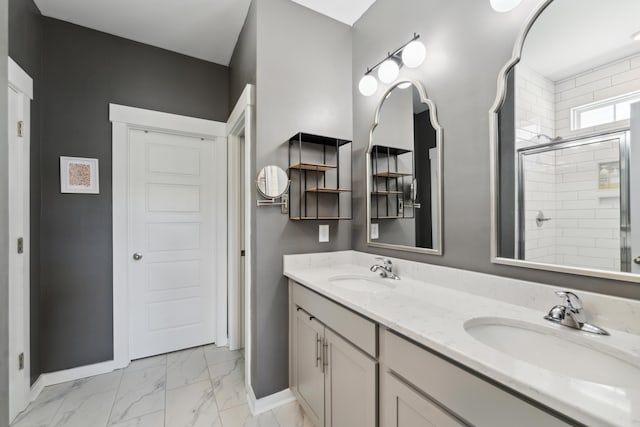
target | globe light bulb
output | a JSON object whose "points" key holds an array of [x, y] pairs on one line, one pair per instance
{"points": [[388, 71], [504, 5], [413, 54], [368, 85]]}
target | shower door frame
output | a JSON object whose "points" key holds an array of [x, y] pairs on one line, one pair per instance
{"points": [[623, 135]]}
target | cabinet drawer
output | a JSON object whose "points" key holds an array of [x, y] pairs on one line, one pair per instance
{"points": [[471, 398], [402, 406], [359, 331]]}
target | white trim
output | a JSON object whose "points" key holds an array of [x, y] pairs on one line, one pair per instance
{"points": [[156, 120], [267, 403], [37, 388], [59, 377], [19, 298], [123, 119], [19, 79], [81, 372], [241, 119]]}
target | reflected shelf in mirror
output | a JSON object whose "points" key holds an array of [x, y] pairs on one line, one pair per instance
{"points": [[404, 162]]}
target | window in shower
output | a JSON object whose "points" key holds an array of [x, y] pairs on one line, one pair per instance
{"points": [[603, 112], [573, 203]]}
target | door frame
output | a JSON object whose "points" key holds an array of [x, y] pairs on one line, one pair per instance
{"points": [[124, 119], [19, 305], [241, 121]]}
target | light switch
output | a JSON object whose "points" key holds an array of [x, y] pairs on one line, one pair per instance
{"points": [[323, 234], [374, 232]]}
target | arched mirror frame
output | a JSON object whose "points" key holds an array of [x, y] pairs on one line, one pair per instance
{"points": [[424, 99], [494, 150]]}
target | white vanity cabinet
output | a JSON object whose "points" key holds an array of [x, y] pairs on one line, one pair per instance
{"points": [[333, 379], [417, 384], [348, 371]]}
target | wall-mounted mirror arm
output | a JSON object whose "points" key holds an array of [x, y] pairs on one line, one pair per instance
{"points": [[273, 186]]}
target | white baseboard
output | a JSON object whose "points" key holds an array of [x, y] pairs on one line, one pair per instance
{"points": [[36, 388], [73, 374], [267, 403]]}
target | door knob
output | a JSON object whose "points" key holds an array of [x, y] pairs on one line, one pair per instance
{"points": [[637, 260], [137, 256]]}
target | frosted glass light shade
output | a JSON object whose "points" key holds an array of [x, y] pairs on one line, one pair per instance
{"points": [[504, 5], [636, 36], [413, 54], [368, 85], [388, 71]]}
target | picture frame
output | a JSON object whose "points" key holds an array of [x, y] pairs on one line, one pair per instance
{"points": [[79, 175]]}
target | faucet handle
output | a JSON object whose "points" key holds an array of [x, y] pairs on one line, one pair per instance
{"points": [[386, 261], [571, 299]]}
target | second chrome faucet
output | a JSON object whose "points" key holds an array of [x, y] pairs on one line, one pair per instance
{"points": [[385, 269], [570, 314]]}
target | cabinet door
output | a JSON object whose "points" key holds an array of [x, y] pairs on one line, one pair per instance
{"points": [[309, 377], [350, 383], [402, 406]]}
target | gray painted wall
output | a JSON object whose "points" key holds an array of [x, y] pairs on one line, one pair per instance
{"points": [[303, 84], [467, 44], [4, 221], [25, 47], [242, 67], [85, 71]]}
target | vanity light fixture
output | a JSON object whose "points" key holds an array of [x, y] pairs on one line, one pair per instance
{"points": [[388, 71], [412, 54], [504, 5]]}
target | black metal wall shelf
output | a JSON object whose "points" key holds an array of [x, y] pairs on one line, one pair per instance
{"points": [[320, 174], [391, 183]]}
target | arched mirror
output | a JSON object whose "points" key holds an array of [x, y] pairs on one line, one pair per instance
{"points": [[565, 133], [404, 172]]}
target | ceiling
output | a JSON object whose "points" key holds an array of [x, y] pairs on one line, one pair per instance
{"points": [[346, 11], [205, 29], [572, 36]]}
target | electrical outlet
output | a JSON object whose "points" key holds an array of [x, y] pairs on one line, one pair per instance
{"points": [[323, 234], [374, 232]]}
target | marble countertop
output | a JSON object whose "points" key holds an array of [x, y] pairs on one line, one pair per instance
{"points": [[434, 316]]}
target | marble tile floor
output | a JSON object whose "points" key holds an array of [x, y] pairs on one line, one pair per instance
{"points": [[198, 387]]}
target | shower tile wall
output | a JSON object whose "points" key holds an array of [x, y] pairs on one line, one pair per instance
{"points": [[613, 79], [585, 229], [587, 222], [535, 116]]}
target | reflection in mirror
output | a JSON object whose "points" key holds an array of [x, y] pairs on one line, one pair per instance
{"points": [[272, 182], [567, 129], [403, 172]]}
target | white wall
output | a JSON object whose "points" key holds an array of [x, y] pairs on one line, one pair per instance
{"points": [[612, 79], [534, 116], [585, 229]]}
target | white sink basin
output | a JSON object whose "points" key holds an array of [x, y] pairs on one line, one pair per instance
{"points": [[564, 352], [362, 283]]}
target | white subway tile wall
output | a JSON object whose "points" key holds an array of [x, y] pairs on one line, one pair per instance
{"points": [[612, 79], [564, 184]]}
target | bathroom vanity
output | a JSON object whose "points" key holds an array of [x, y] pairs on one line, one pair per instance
{"points": [[458, 348]]}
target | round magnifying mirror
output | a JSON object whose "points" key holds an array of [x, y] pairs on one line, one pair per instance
{"points": [[272, 182]]}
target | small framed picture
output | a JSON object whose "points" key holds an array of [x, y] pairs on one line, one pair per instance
{"points": [[79, 175]]}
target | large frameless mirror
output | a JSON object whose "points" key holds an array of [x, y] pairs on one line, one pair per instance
{"points": [[565, 132], [404, 172]]}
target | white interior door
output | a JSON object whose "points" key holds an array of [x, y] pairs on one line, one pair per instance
{"points": [[634, 187], [174, 201], [19, 360]]}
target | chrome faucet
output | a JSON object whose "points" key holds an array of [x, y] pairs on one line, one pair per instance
{"points": [[571, 314], [385, 269]]}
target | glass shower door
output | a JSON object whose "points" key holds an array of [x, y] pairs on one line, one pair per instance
{"points": [[573, 203]]}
